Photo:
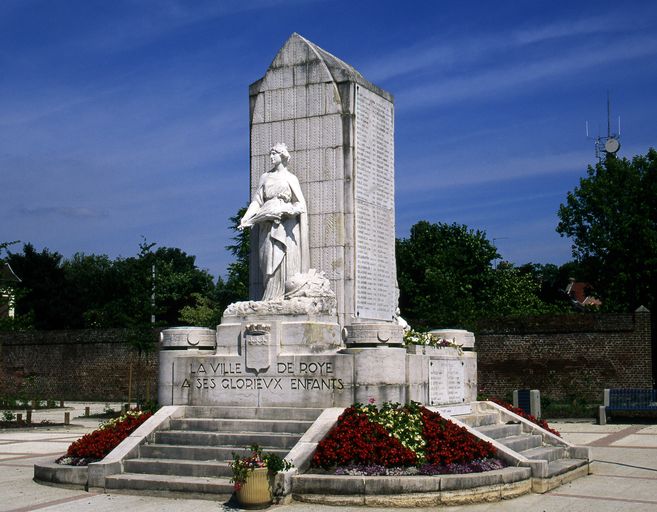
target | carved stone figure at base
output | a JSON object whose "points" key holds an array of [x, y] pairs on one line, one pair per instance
{"points": [[305, 294]]}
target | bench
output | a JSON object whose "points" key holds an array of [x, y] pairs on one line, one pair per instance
{"points": [[627, 399]]}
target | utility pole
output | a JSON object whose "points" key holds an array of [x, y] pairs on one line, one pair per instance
{"points": [[153, 294]]}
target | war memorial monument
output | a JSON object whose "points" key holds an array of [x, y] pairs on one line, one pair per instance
{"points": [[321, 330]]}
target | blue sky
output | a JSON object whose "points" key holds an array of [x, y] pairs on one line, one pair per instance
{"points": [[126, 118]]}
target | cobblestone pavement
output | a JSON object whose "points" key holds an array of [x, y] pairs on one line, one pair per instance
{"points": [[624, 473]]}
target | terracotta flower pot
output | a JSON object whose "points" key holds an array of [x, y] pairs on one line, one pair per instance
{"points": [[256, 491]]}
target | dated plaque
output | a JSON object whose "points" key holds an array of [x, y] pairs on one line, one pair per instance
{"points": [[446, 382], [374, 207]]}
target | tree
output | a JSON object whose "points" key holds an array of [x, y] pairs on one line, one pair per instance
{"points": [[90, 283], [236, 286], [443, 273], [177, 280], [612, 220], [514, 291], [207, 310], [95, 291], [552, 281], [42, 281]]}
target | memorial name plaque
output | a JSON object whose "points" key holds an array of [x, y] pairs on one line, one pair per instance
{"points": [[446, 382], [374, 207]]}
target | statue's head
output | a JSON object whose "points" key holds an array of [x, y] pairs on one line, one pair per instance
{"points": [[281, 149]]}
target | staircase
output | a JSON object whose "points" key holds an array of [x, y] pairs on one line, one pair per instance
{"points": [[553, 463], [192, 456]]}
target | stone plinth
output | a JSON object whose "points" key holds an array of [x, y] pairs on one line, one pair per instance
{"points": [[173, 343], [263, 361], [461, 337]]}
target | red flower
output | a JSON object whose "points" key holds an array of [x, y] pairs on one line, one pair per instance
{"points": [[357, 440], [541, 423], [99, 443]]}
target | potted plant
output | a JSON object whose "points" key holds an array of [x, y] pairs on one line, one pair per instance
{"points": [[252, 476]]}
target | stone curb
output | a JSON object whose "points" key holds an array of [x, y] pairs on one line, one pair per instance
{"points": [[93, 475], [129, 447], [480, 494], [301, 453], [383, 485], [543, 485], [73, 477]]}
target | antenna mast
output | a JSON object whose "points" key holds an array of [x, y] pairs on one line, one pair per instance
{"points": [[609, 145]]}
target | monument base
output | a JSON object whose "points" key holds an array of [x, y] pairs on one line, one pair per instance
{"points": [[300, 362]]}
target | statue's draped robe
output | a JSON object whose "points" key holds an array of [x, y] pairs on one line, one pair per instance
{"points": [[282, 245]]}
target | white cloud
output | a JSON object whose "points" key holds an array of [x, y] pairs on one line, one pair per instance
{"points": [[464, 172], [511, 78], [433, 56]]}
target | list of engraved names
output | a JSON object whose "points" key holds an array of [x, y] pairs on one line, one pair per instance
{"points": [[374, 207]]}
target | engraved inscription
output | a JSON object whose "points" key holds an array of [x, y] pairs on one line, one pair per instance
{"points": [[314, 375], [374, 207], [446, 382]]}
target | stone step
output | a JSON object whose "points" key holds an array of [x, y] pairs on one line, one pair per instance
{"points": [[560, 466], [169, 483], [241, 425], [201, 453], [501, 430], [179, 467], [262, 413], [522, 442], [549, 453], [478, 420], [266, 440]]}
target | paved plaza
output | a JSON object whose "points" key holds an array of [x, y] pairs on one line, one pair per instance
{"points": [[624, 473]]}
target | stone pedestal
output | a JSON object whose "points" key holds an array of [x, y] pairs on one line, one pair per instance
{"points": [[262, 361], [379, 334], [379, 374], [285, 335], [175, 342]]}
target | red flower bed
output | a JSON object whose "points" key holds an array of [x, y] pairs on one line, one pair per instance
{"points": [[357, 440], [447, 443], [520, 412], [99, 443]]}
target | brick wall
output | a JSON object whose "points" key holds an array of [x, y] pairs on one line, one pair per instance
{"points": [[565, 356], [76, 365]]}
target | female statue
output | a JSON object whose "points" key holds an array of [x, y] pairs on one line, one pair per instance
{"points": [[278, 210]]}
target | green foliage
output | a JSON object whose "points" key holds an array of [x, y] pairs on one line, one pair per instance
{"points": [[443, 272], [513, 292], [243, 466], [569, 407], [4, 245], [446, 278], [612, 220], [43, 280], [176, 280], [236, 286], [205, 312], [92, 291]]}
